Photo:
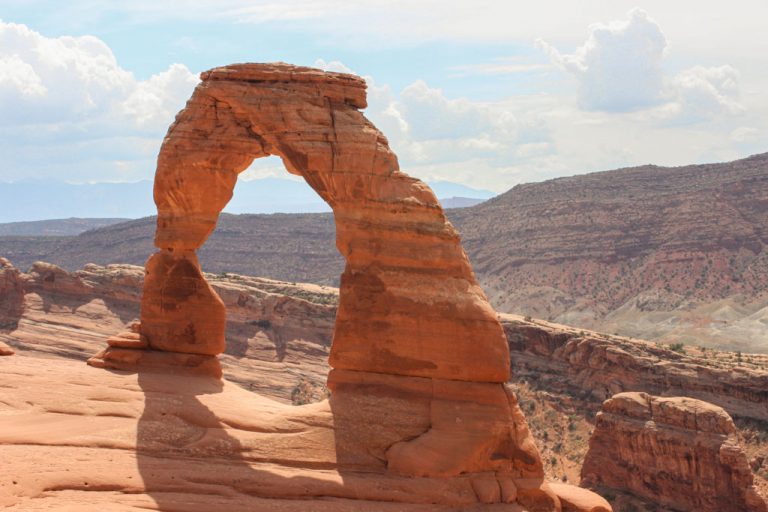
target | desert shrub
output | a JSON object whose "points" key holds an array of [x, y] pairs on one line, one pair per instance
{"points": [[262, 323], [677, 347]]}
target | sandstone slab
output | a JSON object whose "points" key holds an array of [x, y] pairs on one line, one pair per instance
{"points": [[145, 440]]}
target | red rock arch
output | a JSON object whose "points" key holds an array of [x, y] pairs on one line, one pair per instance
{"points": [[409, 301], [419, 358]]}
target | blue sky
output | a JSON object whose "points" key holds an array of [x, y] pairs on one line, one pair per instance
{"points": [[484, 93]]}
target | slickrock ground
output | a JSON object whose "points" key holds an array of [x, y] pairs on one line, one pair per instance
{"points": [[678, 452], [279, 334], [48, 393], [76, 438]]}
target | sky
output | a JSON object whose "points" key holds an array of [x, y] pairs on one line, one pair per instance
{"points": [[488, 94]]}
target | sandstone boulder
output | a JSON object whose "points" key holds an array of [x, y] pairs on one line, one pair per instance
{"points": [[678, 452]]}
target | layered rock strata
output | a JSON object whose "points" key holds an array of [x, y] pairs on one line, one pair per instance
{"points": [[678, 452], [279, 336], [419, 356], [406, 274], [595, 366]]}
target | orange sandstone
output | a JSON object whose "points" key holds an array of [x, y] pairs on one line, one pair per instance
{"points": [[678, 452], [419, 357], [409, 304]]}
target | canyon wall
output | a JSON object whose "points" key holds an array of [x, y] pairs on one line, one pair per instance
{"points": [[281, 332]]}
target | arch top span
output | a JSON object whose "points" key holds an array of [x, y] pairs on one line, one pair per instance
{"points": [[409, 301]]}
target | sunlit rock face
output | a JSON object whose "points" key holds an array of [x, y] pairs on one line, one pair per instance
{"points": [[678, 452], [419, 359], [410, 304]]}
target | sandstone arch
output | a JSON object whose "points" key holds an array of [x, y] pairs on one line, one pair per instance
{"points": [[409, 305], [419, 358]]}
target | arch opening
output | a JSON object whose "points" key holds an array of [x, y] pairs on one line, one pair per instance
{"points": [[266, 187]]}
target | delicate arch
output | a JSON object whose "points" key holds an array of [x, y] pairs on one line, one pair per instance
{"points": [[409, 301]]}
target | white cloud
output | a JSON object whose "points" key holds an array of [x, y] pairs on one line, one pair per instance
{"points": [[745, 134], [434, 116], [707, 92], [72, 90], [619, 68], [333, 65], [156, 101], [500, 66], [68, 110], [17, 75], [386, 23]]}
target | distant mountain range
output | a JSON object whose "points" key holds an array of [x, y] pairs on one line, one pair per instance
{"points": [[32, 201], [671, 254], [55, 227]]}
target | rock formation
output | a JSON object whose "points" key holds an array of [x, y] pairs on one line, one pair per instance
{"points": [[74, 438], [279, 336], [596, 366], [667, 254], [419, 357], [678, 452], [406, 273], [11, 301], [633, 250]]}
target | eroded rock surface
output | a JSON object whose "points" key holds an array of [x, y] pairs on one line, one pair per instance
{"points": [[11, 301], [78, 438], [678, 452], [595, 366], [419, 356], [408, 291], [279, 336]]}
